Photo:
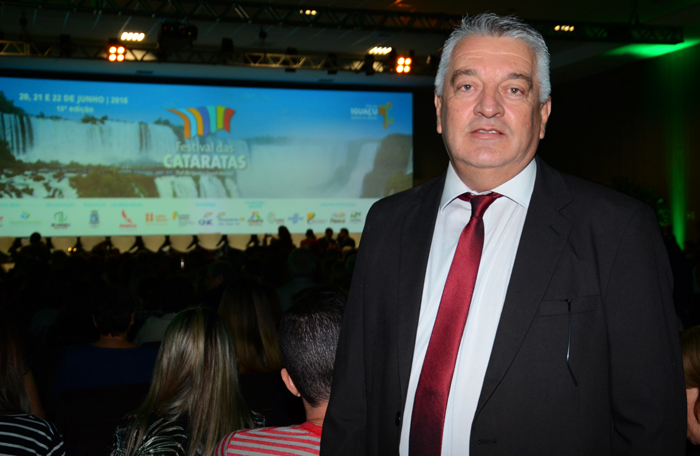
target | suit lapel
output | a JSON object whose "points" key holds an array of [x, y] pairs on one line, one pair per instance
{"points": [[543, 238], [416, 237]]}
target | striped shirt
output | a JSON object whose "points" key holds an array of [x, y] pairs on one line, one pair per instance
{"points": [[300, 440], [25, 435]]}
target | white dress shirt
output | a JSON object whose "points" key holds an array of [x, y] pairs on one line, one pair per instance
{"points": [[503, 225]]}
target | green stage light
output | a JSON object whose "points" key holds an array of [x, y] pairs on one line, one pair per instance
{"points": [[646, 51]]}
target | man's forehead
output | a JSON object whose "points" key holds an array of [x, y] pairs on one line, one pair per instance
{"points": [[492, 50]]}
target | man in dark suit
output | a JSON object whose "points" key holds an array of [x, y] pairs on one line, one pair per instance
{"points": [[568, 344]]}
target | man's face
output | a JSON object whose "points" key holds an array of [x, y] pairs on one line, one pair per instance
{"points": [[489, 115]]}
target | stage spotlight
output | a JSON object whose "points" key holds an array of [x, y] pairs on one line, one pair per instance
{"points": [[404, 63], [115, 51], [133, 36], [378, 50]]}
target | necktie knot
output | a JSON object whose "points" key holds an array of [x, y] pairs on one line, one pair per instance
{"points": [[479, 202]]}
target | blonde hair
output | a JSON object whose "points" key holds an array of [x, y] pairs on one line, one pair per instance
{"points": [[246, 309], [195, 378], [690, 346]]}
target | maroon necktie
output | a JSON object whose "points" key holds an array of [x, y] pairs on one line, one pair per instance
{"points": [[430, 404]]}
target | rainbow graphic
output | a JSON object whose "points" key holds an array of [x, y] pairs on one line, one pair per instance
{"points": [[387, 119], [208, 119]]}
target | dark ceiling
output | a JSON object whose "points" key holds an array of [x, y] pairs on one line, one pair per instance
{"points": [[570, 59]]}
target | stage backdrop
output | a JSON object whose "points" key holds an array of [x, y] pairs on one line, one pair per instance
{"points": [[106, 158]]}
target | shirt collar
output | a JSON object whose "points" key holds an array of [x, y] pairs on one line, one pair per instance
{"points": [[518, 189]]}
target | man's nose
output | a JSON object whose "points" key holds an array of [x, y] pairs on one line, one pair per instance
{"points": [[489, 103]]}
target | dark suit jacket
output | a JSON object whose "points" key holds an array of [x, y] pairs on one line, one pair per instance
{"points": [[581, 242]]}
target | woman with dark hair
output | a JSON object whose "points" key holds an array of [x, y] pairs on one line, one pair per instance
{"points": [[247, 308], [20, 432], [283, 243], [194, 398]]}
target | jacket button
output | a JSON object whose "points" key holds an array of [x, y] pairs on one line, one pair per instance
{"points": [[397, 420]]}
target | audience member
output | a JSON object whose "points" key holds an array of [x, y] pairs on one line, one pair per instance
{"points": [[194, 398], [112, 359], [690, 346], [281, 245], [302, 267], [178, 294], [311, 243], [219, 275], [308, 339], [246, 308], [20, 432], [344, 239], [327, 240], [36, 249]]}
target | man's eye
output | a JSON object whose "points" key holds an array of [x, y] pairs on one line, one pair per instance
{"points": [[467, 87], [515, 91]]}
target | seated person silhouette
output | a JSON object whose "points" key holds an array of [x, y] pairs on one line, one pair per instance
{"points": [[112, 359]]}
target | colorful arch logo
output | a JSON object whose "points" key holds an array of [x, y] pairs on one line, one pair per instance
{"points": [[387, 119], [206, 119]]}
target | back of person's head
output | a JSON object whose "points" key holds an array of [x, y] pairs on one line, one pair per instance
{"points": [[223, 269], [308, 339], [283, 233], [178, 293], [113, 310], [236, 258], [690, 346], [13, 397], [149, 292], [195, 379], [247, 308], [301, 263], [35, 238]]}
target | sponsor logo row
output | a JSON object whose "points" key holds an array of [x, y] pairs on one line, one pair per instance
{"points": [[61, 220]]}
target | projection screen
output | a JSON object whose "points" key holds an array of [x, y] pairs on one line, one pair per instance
{"points": [[116, 158]]}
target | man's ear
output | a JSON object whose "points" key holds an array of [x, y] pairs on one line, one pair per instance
{"points": [[131, 322], [438, 106], [545, 111], [95, 322], [289, 383]]}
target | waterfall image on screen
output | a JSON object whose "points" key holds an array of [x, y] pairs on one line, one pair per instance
{"points": [[187, 159]]}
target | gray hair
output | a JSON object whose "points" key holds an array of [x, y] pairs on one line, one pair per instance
{"points": [[490, 24]]}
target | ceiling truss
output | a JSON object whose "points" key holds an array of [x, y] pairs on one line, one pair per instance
{"points": [[340, 18], [328, 62]]}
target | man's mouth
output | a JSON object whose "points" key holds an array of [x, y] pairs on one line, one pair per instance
{"points": [[489, 131]]}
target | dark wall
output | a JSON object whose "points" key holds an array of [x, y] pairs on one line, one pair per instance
{"points": [[635, 129]]}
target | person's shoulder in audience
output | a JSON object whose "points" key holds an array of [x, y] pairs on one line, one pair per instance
{"points": [[28, 434], [298, 440]]}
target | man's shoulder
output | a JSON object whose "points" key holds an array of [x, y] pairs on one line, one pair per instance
{"points": [[581, 198], [402, 201]]}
